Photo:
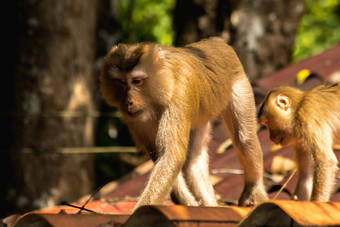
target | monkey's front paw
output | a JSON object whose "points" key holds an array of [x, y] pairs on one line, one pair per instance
{"points": [[253, 195]]}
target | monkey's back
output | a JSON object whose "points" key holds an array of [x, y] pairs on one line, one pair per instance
{"points": [[324, 98], [214, 66], [321, 105]]}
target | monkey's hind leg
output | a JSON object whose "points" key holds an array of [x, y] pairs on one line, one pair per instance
{"points": [[240, 120], [196, 169], [181, 194]]}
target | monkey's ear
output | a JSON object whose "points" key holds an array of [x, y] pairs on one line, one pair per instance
{"points": [[283, 102], [121, 46], [160, 52], [113, 49]]}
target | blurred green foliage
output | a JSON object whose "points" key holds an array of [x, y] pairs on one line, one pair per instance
{"points": [[319, 28], [151, 20], [147, 20]]}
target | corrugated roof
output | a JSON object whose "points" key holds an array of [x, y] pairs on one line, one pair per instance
{"points": [[187, 216], [268, 213], [65, 220], [291, 213], [322, 65]]}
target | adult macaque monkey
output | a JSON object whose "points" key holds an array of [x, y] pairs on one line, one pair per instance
{"points": [[167, 96], [309, 121]]}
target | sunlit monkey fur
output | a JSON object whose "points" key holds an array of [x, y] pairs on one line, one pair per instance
{"points": [[167, 97], [310, 122]]}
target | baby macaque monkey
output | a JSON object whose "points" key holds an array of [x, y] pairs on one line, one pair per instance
{"points": [[167, 97], [309, 121]]}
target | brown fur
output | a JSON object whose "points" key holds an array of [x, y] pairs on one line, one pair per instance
{"points": [[167, 97], [311, 124]]}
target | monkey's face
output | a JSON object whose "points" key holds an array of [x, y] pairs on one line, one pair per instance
{"points": [[132, 79], [277, 119], [279, 132], [129, 87]]}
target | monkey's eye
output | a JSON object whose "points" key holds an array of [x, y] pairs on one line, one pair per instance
{"points": [[122, 82], [137, 81]]}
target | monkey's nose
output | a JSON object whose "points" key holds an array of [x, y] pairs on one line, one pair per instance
{"points": [[130, 106]]}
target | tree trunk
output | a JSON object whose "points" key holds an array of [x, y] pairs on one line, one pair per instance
{"points": [[53, 79], [262, 32]]}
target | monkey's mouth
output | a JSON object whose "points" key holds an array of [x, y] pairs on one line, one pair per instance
{"points": [[278, 140], [134, 113], [283, 142]]}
